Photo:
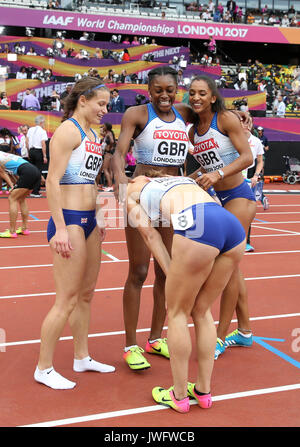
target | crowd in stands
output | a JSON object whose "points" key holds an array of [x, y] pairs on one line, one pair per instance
{"points": [[231, 12], [227, 12], [281, 84]]}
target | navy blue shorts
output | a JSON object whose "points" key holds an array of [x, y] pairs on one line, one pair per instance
{"points": [[84, 219], [215, 226], [241, 191]]}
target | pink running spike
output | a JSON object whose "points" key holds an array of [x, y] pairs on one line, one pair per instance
{"points": [[183, 405], [204, 401]]}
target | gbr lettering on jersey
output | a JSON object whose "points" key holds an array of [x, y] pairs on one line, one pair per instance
{"points": [[92, 161], [207, 154], [170, 146]]}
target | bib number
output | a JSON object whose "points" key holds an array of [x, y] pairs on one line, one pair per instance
{"points": [[182, 221], [170, 147], [92, 161]]}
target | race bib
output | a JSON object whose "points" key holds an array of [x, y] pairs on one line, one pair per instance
{"points": [[92, 161], [183, 221], [207, 154], [170, 147]]}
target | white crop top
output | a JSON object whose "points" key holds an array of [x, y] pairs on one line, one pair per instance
{"points": [[85, 161], [162, 143], [213, 150], [153, 192]]}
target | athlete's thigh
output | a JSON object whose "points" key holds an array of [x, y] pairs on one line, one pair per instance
{"points": [[69, 272], [138, 252], [167, 237], [243, 209], [19, 193]]}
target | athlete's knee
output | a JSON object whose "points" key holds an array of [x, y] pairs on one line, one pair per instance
{"points": [[67, 304], [200, 309], [138, 274]]}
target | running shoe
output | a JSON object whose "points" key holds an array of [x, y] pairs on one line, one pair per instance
{"points": [[135, 359], [220, 348], [204, 401], [159, 347], [7, 233], [235, 338], [21, 231], [35, 195], [265, 203], [167, 398], [249, 248]]}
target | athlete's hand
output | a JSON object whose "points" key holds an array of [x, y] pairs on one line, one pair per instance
{"points": [[207, 180], [120, 188], [254, 180], [102, 233], [61, 243]]}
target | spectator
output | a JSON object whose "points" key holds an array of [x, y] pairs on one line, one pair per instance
{"points": [[130, 161], [30, 101], [70, 52], [285, 21], [231, 7], [64, 94], [55, 101], [8, 143], [126, 56], [117, 103], [180, 78], [110, 76], [291, 11], [31, 52], [4, 101], [98, 54], [85, 36], [125, 78], [211, 7], [264, 140], [126, 41], [23, 142], [243, 84], [135, 41], [250, 18], [22, 74], [280, 112], [36, 141]]}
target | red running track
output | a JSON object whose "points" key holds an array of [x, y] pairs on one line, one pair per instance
{"points": [[250, 387]]}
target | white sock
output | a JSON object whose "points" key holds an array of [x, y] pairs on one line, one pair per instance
{"points": [[247, 335], [127, 348], [88, 364], [53, 379]]}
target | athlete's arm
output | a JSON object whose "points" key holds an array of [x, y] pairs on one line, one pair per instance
{"points": [[130, 121], [230, 125], [5, 176], [259, 168], [64, 140], [137, 218]]}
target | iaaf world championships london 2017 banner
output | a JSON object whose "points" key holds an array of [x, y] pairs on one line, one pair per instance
{"points": [[115, 24]]}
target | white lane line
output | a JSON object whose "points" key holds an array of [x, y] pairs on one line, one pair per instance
{"points": [[273, 235], [47, 245], [122, 332], [111, 289], [254, 225], [114, 259], [270, 222], [140, 410]]}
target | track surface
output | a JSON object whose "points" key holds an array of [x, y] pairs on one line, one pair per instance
{"points": [[258, 386]]}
